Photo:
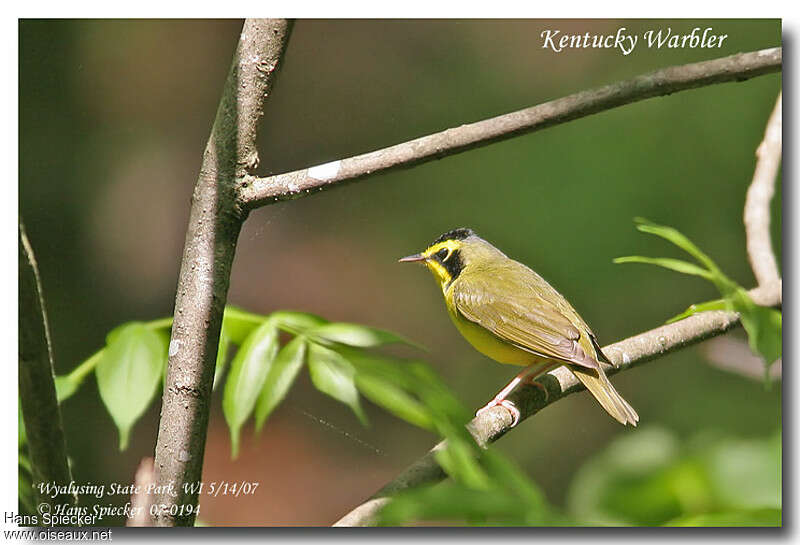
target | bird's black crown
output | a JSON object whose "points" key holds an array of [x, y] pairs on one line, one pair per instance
{"points": [[456, 234]]}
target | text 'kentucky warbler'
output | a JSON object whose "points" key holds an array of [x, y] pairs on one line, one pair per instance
{"points": [[511, 314]]}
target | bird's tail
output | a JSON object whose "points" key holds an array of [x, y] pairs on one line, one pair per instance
{"points": [[601, 388]]}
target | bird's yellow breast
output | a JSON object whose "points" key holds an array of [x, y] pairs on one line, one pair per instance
{"points": [[486, 342]]}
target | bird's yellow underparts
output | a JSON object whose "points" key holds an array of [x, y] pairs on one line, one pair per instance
{"points": [[512, 315]]}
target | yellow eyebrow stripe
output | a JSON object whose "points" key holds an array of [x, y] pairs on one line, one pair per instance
{"points": [[449, 244]]}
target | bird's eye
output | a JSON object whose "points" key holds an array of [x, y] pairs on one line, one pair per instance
{"points": [[443, 254]]}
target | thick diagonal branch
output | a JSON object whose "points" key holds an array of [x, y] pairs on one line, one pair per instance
{"points": [[759, 195], [214, 224], [492, 424], [260, 191], [37, 391]]}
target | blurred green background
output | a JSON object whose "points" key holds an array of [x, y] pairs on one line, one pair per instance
{"points": [[114, 116]]}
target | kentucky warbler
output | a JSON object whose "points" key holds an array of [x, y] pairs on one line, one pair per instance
{"points": [[511, 314]]}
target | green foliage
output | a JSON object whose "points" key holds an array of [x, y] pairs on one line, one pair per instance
{"points": [[763, 325], [354, 335], [129, 367], [716, 304], [247, 376], [485, 488], [507, 497], [650, 478], [646, 478], [335, 376], [280, 377], [128, 374]]}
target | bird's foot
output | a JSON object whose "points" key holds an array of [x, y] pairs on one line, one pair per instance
{"points": [[509, 405]]}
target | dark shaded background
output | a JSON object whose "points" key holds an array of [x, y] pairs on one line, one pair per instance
{"points": [[114, 116]]}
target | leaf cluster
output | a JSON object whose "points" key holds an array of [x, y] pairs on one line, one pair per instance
{"points": [[652, 478], [762, 324]]}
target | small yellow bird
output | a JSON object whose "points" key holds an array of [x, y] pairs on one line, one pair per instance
{"points": [[512, 315]]}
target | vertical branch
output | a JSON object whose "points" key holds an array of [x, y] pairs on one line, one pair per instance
{"points": [[214, 224], [759, 194], [37, 389]]}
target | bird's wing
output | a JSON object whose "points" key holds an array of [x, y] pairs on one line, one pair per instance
{"points": [[515, 307]]}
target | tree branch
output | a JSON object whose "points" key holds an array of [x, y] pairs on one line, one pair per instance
{"points": [[756, 207], [214, 224], [261, 191], [37, 391], [495, 422]]}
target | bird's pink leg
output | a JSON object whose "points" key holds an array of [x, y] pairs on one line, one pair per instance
{"points": [[526, 375]]}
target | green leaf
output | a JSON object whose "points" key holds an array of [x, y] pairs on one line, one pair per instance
{"points": [[413, 391], [281, 375], [716, 304], [297, 322], [668, 263], [506, 474], [166, 336], [394, 399], [757, 517], [239, 324], [112, 335], [65, 387], [764, 327], [511, 498], [678, 239], [449, 415], [128, 374], [334, 375], [68, 384], [246, 378], [354, 335], [408, 389], [161, 323], [459, 460], [389, 369], [452, 501]]}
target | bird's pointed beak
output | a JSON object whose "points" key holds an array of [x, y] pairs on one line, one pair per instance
{"points": [[412, 258]]}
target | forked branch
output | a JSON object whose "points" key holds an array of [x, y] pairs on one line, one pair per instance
{"points": [[227, 190], [214, 224]]}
